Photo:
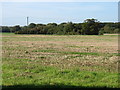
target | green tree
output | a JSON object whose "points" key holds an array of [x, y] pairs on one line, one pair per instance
{"points": [[32, 25], [17, 28], [5, 29], [108, 28], [77, 28], [51, 28], [116, 30], [68, 28], [90, 27]]}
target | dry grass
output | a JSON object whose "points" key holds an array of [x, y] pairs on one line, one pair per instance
{"points": [[57, 50], [61, 60]]}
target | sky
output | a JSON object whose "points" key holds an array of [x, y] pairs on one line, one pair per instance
{"points": [[15, 13], [59, 0]]}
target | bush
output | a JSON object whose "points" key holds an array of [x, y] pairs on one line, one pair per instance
{"points": [[101, 32]]}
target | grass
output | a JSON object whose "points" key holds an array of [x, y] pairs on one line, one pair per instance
{"points": [[79, 53], [21, 73], [53, 51], [59, 61]]}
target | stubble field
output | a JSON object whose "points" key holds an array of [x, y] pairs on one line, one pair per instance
{"points": [[59, 61]]}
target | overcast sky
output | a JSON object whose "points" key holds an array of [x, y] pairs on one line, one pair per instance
{"points": [[15, 13]]}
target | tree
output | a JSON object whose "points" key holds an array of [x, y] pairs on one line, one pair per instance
{"points": [[52, 24], [51, 28], [68, 28], [101, 31], [90, 27], [16, 28], [31, 25], [5, 29], [59, 29], [77, 28], [108, 28], [116, 30]]}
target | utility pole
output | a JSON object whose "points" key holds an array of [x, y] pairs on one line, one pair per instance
{"points": [[27, 21]]}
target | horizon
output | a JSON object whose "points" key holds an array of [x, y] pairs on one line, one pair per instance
{"points": [[15, 13], [51, 22]]}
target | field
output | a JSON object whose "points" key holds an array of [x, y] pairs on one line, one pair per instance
{"points": [[63, 61]]}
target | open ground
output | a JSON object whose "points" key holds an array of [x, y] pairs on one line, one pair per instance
{"points": [[59, 60]]}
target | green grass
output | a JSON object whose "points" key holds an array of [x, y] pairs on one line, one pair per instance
{"points": [[61, 61], [7, 34], [79, 53], [20, 73]]}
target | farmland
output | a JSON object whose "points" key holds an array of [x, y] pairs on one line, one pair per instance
{"points": [[59, 61]]}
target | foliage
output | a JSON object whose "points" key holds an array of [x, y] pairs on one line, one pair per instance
{"points": [[88, 27]]}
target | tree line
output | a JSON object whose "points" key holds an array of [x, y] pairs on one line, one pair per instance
{"points": [[88, 27]]}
